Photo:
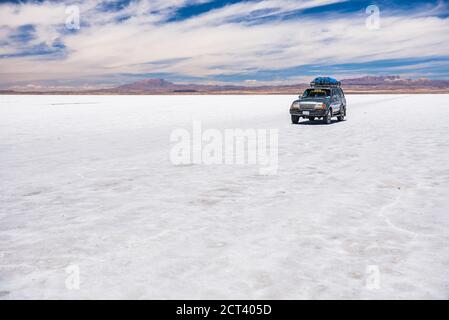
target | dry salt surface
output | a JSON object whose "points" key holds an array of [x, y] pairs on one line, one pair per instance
{"points": [[357, 210]]}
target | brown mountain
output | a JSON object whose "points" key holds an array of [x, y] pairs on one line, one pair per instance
{"points": [[375, 84], [163, 86], [394, 83], [368, 84], [147, 85]]}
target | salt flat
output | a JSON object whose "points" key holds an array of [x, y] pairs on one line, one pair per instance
{"points": [[357, 209]]}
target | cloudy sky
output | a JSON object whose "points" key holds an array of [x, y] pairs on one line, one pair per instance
{"points": [[217, 41]]}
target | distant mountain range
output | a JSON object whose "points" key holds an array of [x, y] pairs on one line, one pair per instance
{"points": [[163, 86], [368, 84]]}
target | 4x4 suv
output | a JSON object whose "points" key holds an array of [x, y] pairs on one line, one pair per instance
{"points": [[324, 99]]}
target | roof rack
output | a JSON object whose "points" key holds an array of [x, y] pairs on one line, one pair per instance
{"points": [[325, 82]]}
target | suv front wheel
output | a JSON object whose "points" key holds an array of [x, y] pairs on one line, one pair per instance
{"points": [[327, 119], [342, 115], [295, 119]]}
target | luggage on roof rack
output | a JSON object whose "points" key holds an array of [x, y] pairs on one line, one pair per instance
{"points": [[325, 82]]}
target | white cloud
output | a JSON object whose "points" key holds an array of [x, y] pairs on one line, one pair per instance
{"points": [[212, 43]]}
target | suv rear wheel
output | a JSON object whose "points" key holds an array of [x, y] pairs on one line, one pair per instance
{"points": [[341, 117], [295, 119]]}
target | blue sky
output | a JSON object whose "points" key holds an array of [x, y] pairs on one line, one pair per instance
{"points": [[218, 41]]}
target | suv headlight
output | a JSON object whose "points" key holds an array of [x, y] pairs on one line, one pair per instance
{"points": [[320, 106], [295, 105]]}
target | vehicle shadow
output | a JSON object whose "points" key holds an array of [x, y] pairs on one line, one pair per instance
{"points": [[317, 123]]}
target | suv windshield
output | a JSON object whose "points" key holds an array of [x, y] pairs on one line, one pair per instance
{"points": [[316, 93]]}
